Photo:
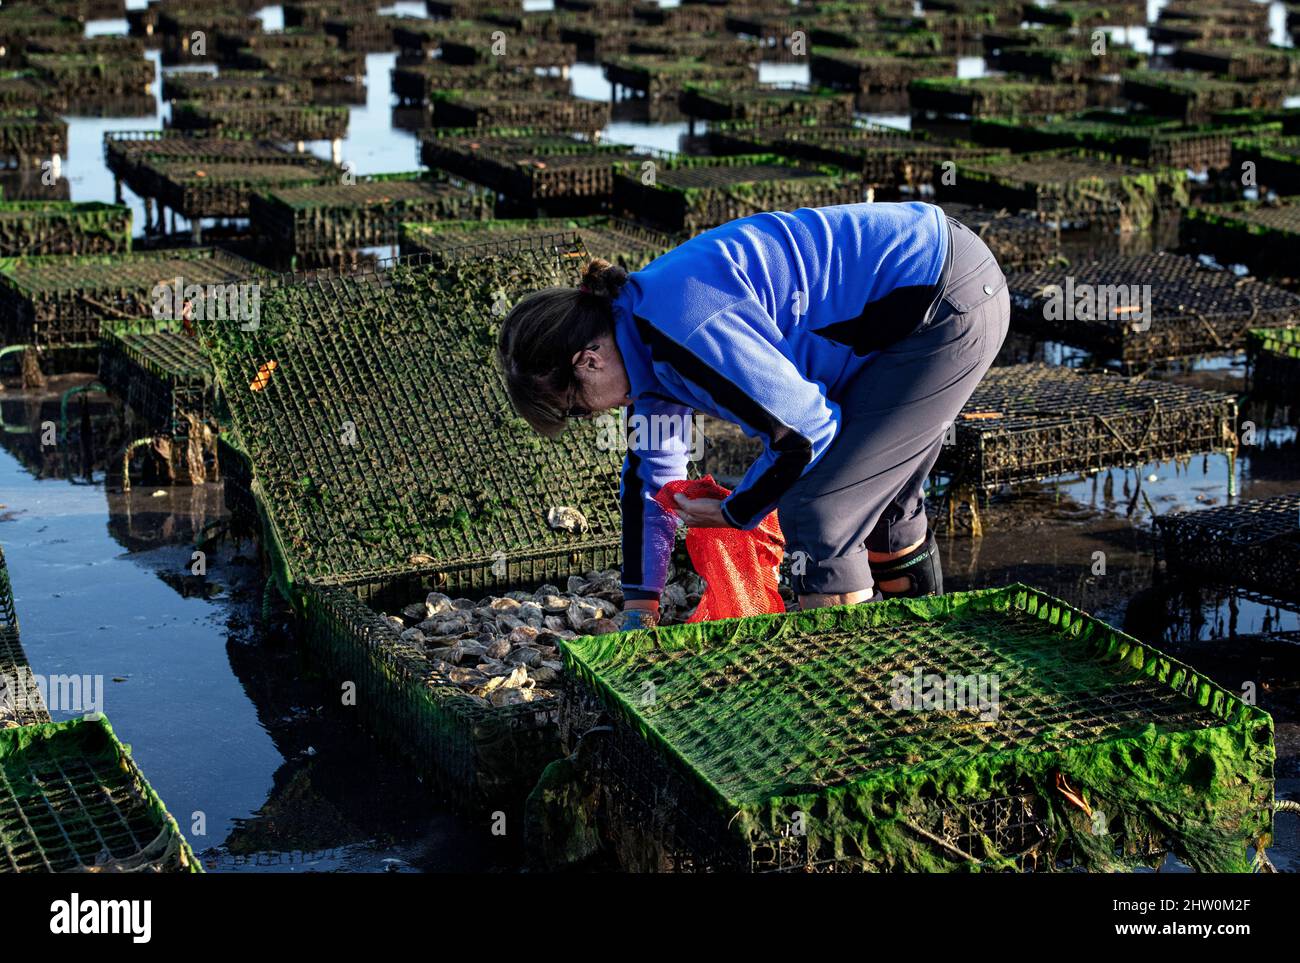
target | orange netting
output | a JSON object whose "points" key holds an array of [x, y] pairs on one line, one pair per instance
{"points": [[739, 568]]}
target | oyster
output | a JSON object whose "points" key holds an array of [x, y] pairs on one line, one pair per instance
{"points": [[566, 519]]}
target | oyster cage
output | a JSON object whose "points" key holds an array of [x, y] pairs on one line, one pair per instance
{"points": [[63, 227], [1072, 188], [234, 87], [222, 189], [415, 83], [1018, 242], [691, 194], [30, 134], [661, 76], [1261, 235], [1155, 142], [304, 220], [629, 245], [1255, 544], [885, 157], [722, 101], [72, 798], [994, 96], [274, 121], [651, 820], [1277, 161], [64, 300], [132, 154], [776, 742], [477, 756], [543, 169], [1033, 422], [871, 71], [20, 699], [1273, 365], [160, 373], [371, 463], [1194, 309], [1194, 97], [498, 108]]}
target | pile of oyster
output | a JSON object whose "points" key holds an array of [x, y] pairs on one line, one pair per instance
{"points": [[502, 650]]}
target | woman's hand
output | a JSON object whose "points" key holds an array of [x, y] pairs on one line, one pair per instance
{"points": [[700, 512]]}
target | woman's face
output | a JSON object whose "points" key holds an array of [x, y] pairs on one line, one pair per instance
{"points": [[602, 379]]}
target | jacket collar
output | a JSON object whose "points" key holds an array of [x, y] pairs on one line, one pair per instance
{"points": [[636, 355]]}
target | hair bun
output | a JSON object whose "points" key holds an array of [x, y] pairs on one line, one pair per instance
{"points": [[602, 278]]}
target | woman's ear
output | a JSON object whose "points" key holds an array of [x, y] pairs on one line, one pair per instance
{"points": [[588, 357]]}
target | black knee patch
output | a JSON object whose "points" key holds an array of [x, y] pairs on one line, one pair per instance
{"points": [[920, 566]]}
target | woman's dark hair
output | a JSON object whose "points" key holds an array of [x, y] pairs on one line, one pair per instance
{"points": [[543, 332]]}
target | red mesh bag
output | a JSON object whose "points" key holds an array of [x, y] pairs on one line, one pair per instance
{"points": [[738, 567]]}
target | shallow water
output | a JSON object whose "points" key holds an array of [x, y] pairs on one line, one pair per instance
{"points": [[255, 760]]}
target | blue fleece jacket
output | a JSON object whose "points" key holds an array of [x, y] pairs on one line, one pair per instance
{"points": [[760, 322]]}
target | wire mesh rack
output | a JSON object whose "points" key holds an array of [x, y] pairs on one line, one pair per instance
{"points": [[64, 300], [1157, 142], [275, 121], [1253, 543], [372, 463], [72, 799], [766, 104], [1032, 422], [21, 703], [885, 156], [994, 96], [1193, 97], [496, 108], [690, 194], [1144, 308], [1072, 188], [29, 135], [222, 189], [233, 87], [63, 227], [871, 71], [1019, 242], [304, 221], [1275, 161], [1273, 365], [780, 742], [625, 243], [476, 756], [1260, 235], [159, 372], [129, 154]]}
